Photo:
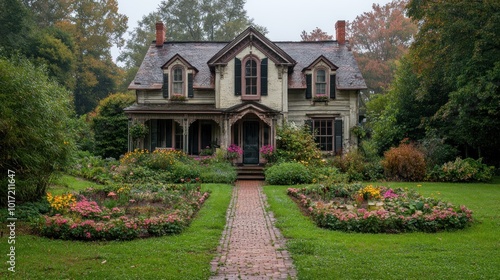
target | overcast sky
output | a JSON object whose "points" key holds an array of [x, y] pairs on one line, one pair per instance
{"points": [[284, 19]]}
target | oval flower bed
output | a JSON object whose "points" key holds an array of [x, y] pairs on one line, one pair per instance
{"points": [[122, 213], [369, 209]]}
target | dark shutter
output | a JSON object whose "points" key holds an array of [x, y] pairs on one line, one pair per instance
{"points": [[237, 76], [308, 86], [332, 86], [338, 136], [165, 85], [190, 85], [263, 77]]}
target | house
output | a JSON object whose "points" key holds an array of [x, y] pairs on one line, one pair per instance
{"points": [[193, 95]]}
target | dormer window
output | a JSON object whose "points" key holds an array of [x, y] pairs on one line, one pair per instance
{"points": [[321, 84], [178, 81]]}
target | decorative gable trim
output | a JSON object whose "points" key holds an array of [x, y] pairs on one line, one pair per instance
{"points": [[252, 37], [183, 61], [318, 60]]}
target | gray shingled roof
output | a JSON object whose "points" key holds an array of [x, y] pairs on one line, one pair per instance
{"points": [[149, 75]]}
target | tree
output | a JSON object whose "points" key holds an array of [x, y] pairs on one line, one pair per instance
{"points": [[15, 28], [315, 35], [379, 38], [456, 54], [47, 13], [110, 125], [34, 135], [200, 20]]}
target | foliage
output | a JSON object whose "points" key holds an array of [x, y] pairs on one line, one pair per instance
{"points": [[287, 173], [136, 47], [222, 172], [357, 167], [74, 39], [402, 211], [61, 202], [315, 35], [199, 20], [462, 170], [379, 38], [16, 25], [268, 153], [34, 135], [141, 167], [234, 151], [436, 150], [110, 125], [138, 131], [405, 163], [448, 83], [89, 219], [296, 143]]}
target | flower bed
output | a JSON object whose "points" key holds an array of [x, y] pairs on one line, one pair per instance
{"points": [[122, 213], [346, 207]]}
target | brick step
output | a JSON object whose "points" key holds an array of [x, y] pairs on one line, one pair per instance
{"points": [[251, 172]]}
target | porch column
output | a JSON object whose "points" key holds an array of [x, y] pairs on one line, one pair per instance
{"points": [[185, 133], [226, 139]]}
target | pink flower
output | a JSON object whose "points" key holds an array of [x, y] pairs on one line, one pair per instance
{"points": [[87, 234], [111, 194]]}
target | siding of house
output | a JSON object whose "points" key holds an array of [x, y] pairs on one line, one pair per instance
{"points": [[275, 99]]}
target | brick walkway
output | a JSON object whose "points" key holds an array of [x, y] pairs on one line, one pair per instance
{"points": [[251, 247]]}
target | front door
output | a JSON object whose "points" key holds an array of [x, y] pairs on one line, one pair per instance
{"points": [[251, 142]]}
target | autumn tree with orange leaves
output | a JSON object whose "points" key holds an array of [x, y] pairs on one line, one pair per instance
{"points": [[379, 38]]}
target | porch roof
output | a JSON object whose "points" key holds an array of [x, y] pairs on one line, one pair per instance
{"points": [[172, 108]]}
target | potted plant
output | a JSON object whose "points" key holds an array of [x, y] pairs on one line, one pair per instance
{"points": [[233, 152], [267, 152]]}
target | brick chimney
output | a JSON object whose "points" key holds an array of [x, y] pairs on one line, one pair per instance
{"points": [[340, 30], [160, 34]]}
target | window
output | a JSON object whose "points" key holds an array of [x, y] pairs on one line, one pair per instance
{"points": [[323, 133], [321, 82], [178, 81], [251, 75]]}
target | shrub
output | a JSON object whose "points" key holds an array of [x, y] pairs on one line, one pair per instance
{"points": [[437, 152], [34, 137], [222, 172], [182, 170], [404, 163], [296, 143], [357, 168], [462, 170], [288, 173], [110, 125]]}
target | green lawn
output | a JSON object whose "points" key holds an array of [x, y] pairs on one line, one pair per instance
{"points": [[184, 256], [67, 183], [473, 253]]}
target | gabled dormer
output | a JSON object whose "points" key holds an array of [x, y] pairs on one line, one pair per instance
{"points": [[320, 79], [254, 67], [178, 75]]}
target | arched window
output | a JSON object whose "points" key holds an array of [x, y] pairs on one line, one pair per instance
{"points": [[251, 78]]}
